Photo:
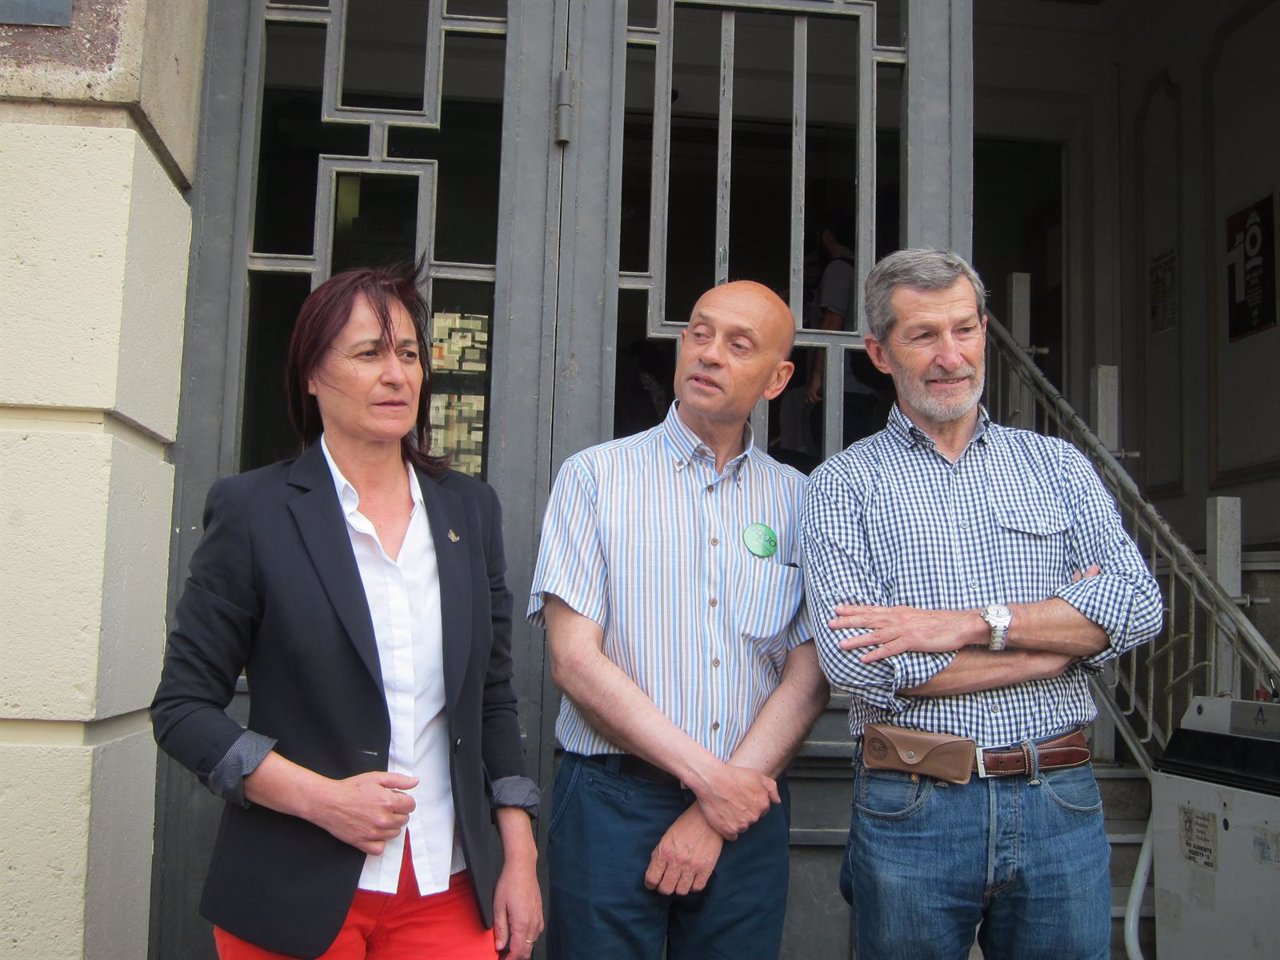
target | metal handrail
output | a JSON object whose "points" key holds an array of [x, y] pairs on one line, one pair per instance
{"points": [[1207, 645]]}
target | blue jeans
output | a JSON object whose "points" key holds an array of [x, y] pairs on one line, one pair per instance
{"points": [[604, 827], [1023, 860]]}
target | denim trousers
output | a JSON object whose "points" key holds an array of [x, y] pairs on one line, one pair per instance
{"points": [[1022, 860], [604, 827]]}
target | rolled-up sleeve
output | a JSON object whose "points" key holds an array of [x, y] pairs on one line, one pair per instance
{"points": [[1124, 599], [518, 792], [226, 779], [837, 570], [215, 621]]}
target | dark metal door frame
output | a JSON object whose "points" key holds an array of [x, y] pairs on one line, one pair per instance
{"points": [[555, 297]]}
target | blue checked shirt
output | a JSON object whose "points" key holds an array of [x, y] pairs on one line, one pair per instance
{"points": [[890, 521], [643, 537]]}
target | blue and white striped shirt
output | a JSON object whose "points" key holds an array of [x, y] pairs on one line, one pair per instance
{"points": [[643, 537], [890, 521]]}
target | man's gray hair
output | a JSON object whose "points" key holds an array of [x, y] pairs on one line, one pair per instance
{"points": [[917, 269]]}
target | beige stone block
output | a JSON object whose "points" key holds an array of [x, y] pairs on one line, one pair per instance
{"points": [[83, 573], [135, 579], [172, 71], [55, 489], [153, 310], [45, 800], [76, 823], [92, 273], [143, 55], [64, 201], [117, 899]]}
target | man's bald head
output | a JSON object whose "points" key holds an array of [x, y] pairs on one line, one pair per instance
{"points": [[746, 297], [732, 354]]}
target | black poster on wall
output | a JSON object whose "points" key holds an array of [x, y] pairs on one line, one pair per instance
{"points": [[1251, 269]]}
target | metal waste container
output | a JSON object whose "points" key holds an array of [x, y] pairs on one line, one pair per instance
{"points": [[1215, 806]]}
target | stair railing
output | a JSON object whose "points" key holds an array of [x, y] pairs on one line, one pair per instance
{"points": [[1207, 646]]}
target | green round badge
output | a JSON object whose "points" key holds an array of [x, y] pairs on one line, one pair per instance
{"points": [[760, 540]]}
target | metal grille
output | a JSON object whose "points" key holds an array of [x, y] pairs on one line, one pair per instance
{"points": [[379, 70], [874, 63], [1208, 647]]}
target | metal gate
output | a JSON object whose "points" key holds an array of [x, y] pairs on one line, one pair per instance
{"points": [[576, 172]]}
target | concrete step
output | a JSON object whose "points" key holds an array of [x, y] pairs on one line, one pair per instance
{"points": [[1126, 792], [1126, 804]]}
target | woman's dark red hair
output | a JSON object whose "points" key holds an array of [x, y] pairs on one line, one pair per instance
{"points": [[323, 315]]}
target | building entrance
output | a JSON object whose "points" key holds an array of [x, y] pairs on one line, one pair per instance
{"points": [[575, 173]]}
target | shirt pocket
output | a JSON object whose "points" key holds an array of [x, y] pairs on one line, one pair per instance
{"points": [[1034, 545], [1037, 516], [770, 595]]}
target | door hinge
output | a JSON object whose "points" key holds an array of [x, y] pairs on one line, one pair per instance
{"points": [[564, 106]]}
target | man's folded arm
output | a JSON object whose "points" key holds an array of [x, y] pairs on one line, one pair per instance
{"points": [[732, 797]]}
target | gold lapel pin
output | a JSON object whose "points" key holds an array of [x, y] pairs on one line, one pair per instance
{"points": [[453, 537]]}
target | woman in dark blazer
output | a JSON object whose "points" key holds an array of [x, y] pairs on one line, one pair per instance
{"points": [[360, 588]]}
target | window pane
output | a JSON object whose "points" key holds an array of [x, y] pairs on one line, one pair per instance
{"points": [[292, 139], [691, 204], [637, 160], [385, 57], [375, 219], [760, 188], [642, 13], [265, 432], [888, 159], [889, 23], [645, 369], [477, 8], [831, 137], [795, 425], [460, 366]]}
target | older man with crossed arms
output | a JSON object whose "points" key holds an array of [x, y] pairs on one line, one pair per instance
{"points": [[964, 579]]}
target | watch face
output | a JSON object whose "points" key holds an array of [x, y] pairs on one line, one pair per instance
{"points": [[997, 614]]}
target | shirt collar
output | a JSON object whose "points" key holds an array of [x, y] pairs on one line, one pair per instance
{"points": [[348, 495], [686, 446], [908, 434]]}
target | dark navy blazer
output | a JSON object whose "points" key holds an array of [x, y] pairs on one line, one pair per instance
{"points": [[274, 590]]}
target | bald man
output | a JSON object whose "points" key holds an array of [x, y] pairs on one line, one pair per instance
{"points": [[669, 584]]}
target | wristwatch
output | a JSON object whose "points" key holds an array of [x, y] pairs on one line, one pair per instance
{"points": [[998, 619]]}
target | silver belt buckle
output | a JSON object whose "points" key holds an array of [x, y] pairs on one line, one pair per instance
{"points": [[981, 763]]}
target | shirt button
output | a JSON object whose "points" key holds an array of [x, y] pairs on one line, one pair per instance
{"points": [[973, 584], [715, 662], [964, 524], [715, 726], [715, 602], [715, 541], [711, 488]]}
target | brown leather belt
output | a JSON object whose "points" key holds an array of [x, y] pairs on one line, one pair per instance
{"points": [[1069, 750]]}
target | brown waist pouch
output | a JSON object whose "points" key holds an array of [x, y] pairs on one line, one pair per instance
{"points": [[939, 755]]}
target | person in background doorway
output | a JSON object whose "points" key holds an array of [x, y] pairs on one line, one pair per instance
{"points": [[867, 392]]}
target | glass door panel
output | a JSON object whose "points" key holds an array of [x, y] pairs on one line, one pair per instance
{"points": [[749, 131], [378, 142]]}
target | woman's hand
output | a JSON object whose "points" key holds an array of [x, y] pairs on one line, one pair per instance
{"points": [[517, 901], [365, 811]]}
